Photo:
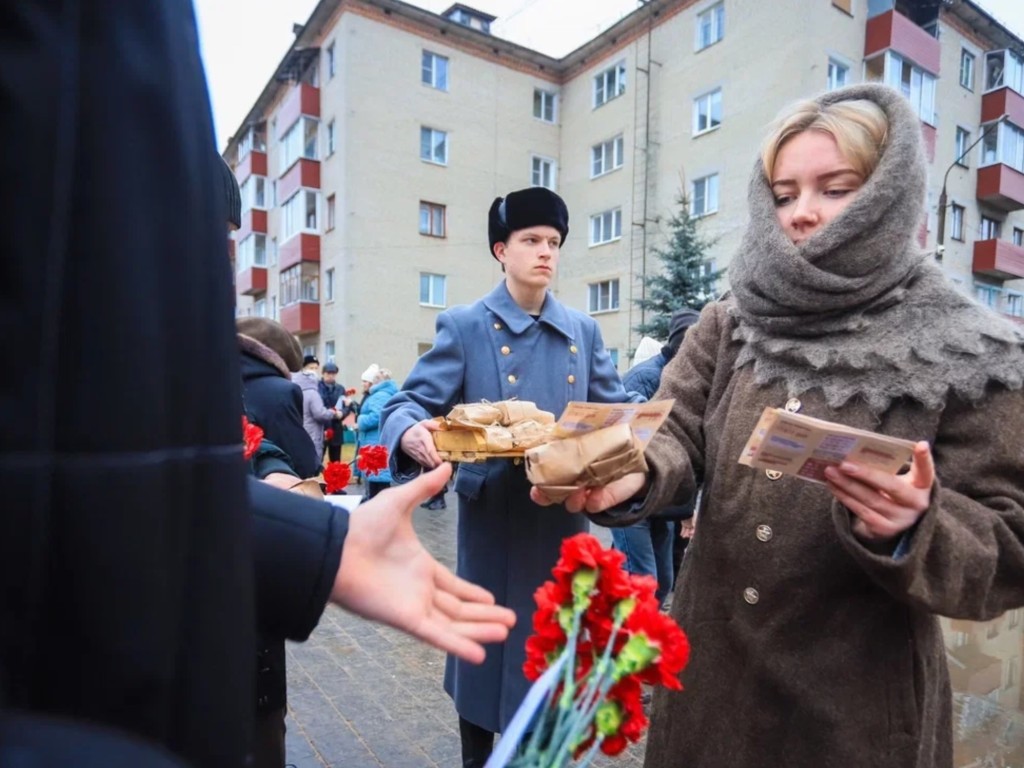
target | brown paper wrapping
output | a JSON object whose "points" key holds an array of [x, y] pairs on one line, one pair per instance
{"points": [[473, 430], [591, 459]]}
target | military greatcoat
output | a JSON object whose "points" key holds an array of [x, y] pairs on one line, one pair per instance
{"points": [[493, 350]]}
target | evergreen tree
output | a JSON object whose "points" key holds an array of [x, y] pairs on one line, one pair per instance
{"points": [[684, 280]]}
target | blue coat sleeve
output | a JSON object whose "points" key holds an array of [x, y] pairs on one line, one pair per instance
{"points": [[605, 384], [370, 413], [432, 388]]}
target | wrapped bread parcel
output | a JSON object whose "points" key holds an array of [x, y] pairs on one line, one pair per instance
{"points": [[477, 431], [589, 459]]}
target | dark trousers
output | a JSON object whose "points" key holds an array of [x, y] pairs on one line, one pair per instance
{"points": [[268, 745], [334, 453], [373, 487], [477, 744]]}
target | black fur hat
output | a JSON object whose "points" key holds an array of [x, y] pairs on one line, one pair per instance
{"points": [[232, 194], [530, 207]]}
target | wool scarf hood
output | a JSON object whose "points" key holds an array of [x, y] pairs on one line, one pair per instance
{"points": [[857, 309]]}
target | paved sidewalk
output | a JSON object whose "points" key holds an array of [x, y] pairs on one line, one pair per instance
{"points": [[364, 696]]}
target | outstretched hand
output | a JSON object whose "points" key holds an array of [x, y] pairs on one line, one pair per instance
{"points": [[885, 505], [386, 575], [597, 498]]}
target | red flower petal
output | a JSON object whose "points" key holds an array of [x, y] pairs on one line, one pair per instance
{"points": [[336, 476], [373, 459], [252, 436]]}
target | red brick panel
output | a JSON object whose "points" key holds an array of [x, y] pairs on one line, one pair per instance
{"points": [[254, 162], [253, 220], [1000, 259], [252, 281], [1001, 186], [302, 247], [892, 30], [301, 317], [1004, 101], [303, 99], [305, 173]]}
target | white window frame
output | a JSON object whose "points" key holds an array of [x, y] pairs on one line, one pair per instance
{"points": [[1018, 236], [330, 139], [251, 252], [711, 19], [961, 141], [704, 106], [329, 284], [332, 62], [300, 283], [429, 298], [249, 190], [1014, 307], [967, 73], [603, 296], [295, 213], [914, 83], [299, 142], [606, 156], [259, 307], [1004, 145], [331, 214], [605, 227], [609, 83], [956, 222], [540, 167], [429, 213], [434, 70], [330, 351], [428, 141], [989, 228], [710, 195], [838, 74], [544, 102]]}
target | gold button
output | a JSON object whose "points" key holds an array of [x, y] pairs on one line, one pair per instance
{"points": [[751, 595], [572, 379], [511, 379], [573, 349], [773, 474], [497, 326], [793, 405], [764, 533], [505, 351]]}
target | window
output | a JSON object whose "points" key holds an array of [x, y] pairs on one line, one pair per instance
{"points": [[704, 196], [252, 252], [434, 146], [1004, 68], [253, 140], [987, 294], [432, 290], [272, 253], [544, 105], [330, 212], [259, 308], [542, 172], [432, 219], [329, 351], [710, 26], [1018, 236], [309, 349], [705, 271], [606, 226], [1004, 145], [435, 71], [609, 84], [298, 214], [604, 296], [253, 193], [838, 74], [300, 283], [332, 64], [330, 139], [606, 157], [273, 308], [273, 193], [299, 141], [916, 84], [990, 229], [707, 112], [329, 284], [1015, 307], [956, 227], [963, 141], [967, 69]]}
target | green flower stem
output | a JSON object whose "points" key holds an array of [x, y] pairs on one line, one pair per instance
{"points": [[585, 760]]}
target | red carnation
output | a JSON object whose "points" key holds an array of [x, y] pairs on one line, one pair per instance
{"points": [[350, 392], [336, 476], [328, 434], [252, 436], [373, 459]]}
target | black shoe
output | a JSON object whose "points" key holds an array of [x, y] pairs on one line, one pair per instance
{"points": [[435, 504]]}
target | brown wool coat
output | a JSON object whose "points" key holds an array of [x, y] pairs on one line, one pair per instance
{"points": [[840, 661]]}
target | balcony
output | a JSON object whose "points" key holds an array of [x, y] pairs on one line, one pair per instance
{"points": [[892, 31], [302, 247], [1001, 186], [305, 173], [1002, 101], [253, 163], [252, 281], [999, 259], [301, 317], [253, 220], [303, 99]]}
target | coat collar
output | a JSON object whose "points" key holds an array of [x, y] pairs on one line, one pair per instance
{"points": [[501, 303]]}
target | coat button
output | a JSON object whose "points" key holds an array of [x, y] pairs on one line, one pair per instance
{"points": [[764, 533], [793, 405], [573, 349], [572, 379], [505, 351], [751, 595], [497, 326], [773, 474], [511, 378]]}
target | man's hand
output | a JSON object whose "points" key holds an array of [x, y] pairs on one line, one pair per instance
{"points": [[598, 498], [418, 443], [386, 575]]}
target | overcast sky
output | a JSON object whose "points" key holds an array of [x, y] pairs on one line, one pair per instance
{"points": [[243, 40]]}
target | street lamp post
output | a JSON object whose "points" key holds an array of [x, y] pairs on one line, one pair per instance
{"points": [[940, 237]]}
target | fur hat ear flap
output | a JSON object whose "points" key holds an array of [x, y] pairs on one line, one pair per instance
{"points": [[530, 207]]}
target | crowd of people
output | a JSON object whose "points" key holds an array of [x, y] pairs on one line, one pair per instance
{"points": [[150, 576]]}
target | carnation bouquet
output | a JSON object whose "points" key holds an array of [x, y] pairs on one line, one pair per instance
{"points": [[598, 635]]}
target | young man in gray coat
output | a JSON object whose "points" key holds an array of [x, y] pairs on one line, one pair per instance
{"points": [[516, 342]]}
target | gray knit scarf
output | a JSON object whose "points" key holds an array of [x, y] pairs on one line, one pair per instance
{"points": [[857, 310]]}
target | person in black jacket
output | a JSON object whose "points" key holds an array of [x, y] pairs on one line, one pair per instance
{"points": [[270, 354], [130, 546], [333, 395]]}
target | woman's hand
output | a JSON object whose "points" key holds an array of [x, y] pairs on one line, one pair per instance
{"points": [[600, 497], [885, 505]]}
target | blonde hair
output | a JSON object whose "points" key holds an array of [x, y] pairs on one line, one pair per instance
{"points": [[382, 375], [859, 127]]}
